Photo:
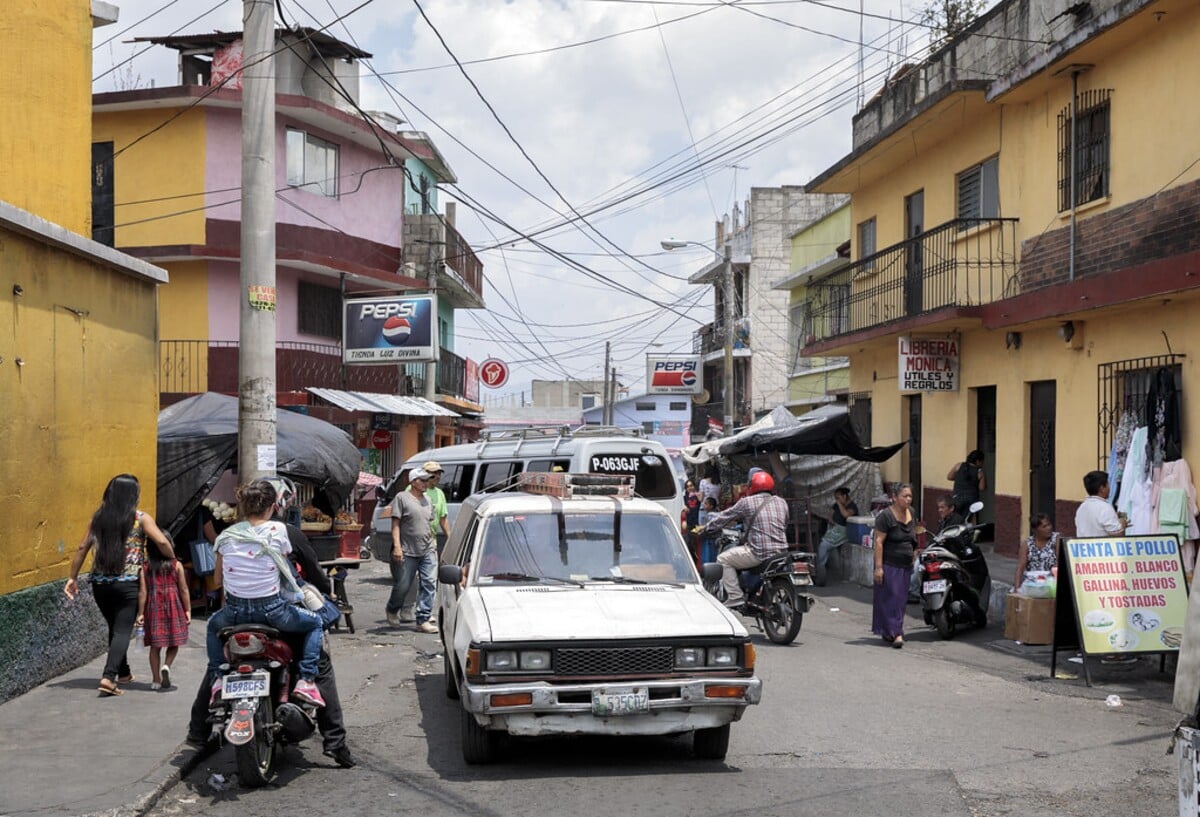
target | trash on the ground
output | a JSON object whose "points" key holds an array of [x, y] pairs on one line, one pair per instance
{"points": [[1113, 701], [428, 656], [187, 801], [1066, 676], [217, 782], [1076, 659], [835, 609]]}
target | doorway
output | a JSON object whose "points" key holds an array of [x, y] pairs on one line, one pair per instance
{"points": [[914, 451], [914, 260], [1042, 490], [985, 441]]}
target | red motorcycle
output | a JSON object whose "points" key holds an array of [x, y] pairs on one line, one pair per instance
{"points": [[252, 710]]}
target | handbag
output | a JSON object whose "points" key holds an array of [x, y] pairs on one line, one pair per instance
{"points": [[311, 598], [204, 558]]}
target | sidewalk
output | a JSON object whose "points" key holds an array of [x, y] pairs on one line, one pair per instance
{"points": [[69, 751]]}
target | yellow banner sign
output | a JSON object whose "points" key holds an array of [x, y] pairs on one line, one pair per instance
{"points": [[1130, 594]]}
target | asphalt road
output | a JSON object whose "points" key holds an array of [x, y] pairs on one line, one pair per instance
{"points": [[848, 726]]}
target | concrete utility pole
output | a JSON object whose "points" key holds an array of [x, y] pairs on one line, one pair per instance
{"points": [[728, 390], [431, 367], [606, 415], [256, 348]]}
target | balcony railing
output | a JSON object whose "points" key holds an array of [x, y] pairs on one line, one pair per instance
{"points": [[462, 259], [964, 262], [195, 366], [711, 337]]}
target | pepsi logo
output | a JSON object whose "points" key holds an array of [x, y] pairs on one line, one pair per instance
{"points": [[396, 330], [661, 379]]}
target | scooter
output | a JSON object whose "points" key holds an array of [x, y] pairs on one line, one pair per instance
{"points": [[773, 590], [955, 585], [252, 711]]}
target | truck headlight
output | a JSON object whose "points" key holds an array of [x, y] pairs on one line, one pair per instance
{"points": [[688, 657], [537, 660], [502, 660], [722, 656]]}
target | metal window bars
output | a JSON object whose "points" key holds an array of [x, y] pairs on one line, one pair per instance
{"points": [[1124, 385]]}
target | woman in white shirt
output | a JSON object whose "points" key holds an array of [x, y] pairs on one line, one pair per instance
{"points": [[252, 586]]}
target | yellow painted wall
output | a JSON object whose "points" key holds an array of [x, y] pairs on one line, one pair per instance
{"points": [[79, 408], [167, 165], [46, 89], [820, 239], [183, 306], [817, 385]]}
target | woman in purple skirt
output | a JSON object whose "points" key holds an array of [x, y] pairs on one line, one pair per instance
{"points": [[895, 540]]}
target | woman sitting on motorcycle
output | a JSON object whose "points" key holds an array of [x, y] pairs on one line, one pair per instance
{"points": [[251, 581]]}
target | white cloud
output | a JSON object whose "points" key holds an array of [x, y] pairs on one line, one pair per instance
{"points": [[597, 119]]}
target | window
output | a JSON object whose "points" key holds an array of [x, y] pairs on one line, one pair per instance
{"points": [[799, 329], [102, 193], [497, 476], [587, 401], [678, 406], [866, 242], [456, 481], [1091, 149], [312, 163], [320, 311], [979, 191], [645, 406]]}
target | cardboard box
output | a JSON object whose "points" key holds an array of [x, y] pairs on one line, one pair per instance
{"points": [[1028, 620]]}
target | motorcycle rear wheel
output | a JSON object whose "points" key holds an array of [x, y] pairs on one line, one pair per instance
{"points": [[782, 617], [256, 759], [943, 622]]}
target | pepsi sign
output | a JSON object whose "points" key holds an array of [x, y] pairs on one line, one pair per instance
{"points": [[674, 375], [399, 329]]}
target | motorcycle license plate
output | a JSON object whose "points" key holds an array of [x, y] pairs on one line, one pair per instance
{"points": [[254, 685], [935, 586], [620, 701]]}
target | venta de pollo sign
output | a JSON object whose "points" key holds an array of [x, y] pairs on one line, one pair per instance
{"points": [[929, 363]]}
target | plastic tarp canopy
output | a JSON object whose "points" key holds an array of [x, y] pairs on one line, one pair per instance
{"points": [[197, 443], [822, 431]]}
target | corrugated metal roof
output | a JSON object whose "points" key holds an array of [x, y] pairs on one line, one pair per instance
{"points": [[382, 403], [326, 45]]}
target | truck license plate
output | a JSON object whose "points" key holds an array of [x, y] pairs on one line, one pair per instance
{"points": [[254, 685], [623, 701], [935, 586]]}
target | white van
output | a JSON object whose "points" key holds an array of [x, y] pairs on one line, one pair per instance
{"points": [[492, 463]]}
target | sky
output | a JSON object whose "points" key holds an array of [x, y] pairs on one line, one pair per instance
{"points": [[651, 120]]}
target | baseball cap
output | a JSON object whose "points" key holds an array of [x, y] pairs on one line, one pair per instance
{"points": [[418, 473], [432, 467]]}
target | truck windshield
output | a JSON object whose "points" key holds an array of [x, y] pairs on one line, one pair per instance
{"points": [[528, 548]]}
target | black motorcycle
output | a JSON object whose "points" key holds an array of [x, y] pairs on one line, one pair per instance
{"points": [[955, 585], [772, 590]]}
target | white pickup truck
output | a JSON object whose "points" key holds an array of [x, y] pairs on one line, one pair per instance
{"points": [[564, 611]]}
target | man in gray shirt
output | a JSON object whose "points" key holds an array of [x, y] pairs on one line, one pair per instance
{"points": [[414, 551]]}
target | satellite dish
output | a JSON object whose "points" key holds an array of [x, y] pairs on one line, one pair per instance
{"points": [[702, 397]]}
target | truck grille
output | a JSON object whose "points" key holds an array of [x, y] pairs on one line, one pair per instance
{"points": [[613, 661]]}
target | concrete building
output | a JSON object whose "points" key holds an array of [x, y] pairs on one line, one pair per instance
{"points": [[758, 238], [78, 351], [662, 417], [1026, 210], [356, 214]]}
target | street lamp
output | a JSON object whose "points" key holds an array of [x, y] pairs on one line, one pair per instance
{"points": [[727, 272]]}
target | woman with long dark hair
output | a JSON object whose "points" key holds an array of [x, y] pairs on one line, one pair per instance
{"points": [[118, 532]]}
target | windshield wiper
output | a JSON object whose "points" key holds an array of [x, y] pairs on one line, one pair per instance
{"points": [[631, 580], [525, 577]]}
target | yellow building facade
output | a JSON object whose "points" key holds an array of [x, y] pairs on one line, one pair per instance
{"points": [[964, 229], [78, 352]]}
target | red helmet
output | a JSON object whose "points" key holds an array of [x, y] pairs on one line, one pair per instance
{"points": [[761, 481]]}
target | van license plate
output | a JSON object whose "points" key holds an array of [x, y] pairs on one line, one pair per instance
{"points": [[254, 685], [935, 586], [623, 701]]}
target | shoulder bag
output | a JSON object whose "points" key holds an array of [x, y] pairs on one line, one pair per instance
{"points": [[311, 598], [204, 559]]}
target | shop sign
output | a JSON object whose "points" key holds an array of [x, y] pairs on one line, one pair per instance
{"points": [[674, 374], [1129, 593], [399, 329], [493, 373], [381, 439], [471, 382], [382, 421], [929, 363]]}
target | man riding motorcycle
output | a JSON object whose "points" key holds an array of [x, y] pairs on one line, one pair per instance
{"points": [[764, 517]]}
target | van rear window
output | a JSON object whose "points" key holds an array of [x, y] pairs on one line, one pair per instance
{"points": [[653, 476]]}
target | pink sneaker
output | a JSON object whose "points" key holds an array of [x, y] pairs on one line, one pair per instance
{"points": [[215, 694], [307, 692]]}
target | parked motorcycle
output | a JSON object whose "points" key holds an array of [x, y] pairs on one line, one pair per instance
{"points": [[773, 590], [955, 585], [252, 711]]}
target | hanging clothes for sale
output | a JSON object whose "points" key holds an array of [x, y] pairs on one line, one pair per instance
{"points": [[1120, 448], [1163, 418], [1134, 471], [1176, 507]]}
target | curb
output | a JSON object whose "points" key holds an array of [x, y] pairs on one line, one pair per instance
{"points": [[162, 779]]}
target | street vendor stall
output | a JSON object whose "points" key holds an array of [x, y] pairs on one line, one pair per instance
{"points": [[197, 446]]}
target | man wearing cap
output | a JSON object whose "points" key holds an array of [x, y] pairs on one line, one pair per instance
{"points": [[414, 551], [441, 522]]}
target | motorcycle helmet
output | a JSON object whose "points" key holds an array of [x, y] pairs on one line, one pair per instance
{"points": [[761, 481], [297, 724], [285, 491]]}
